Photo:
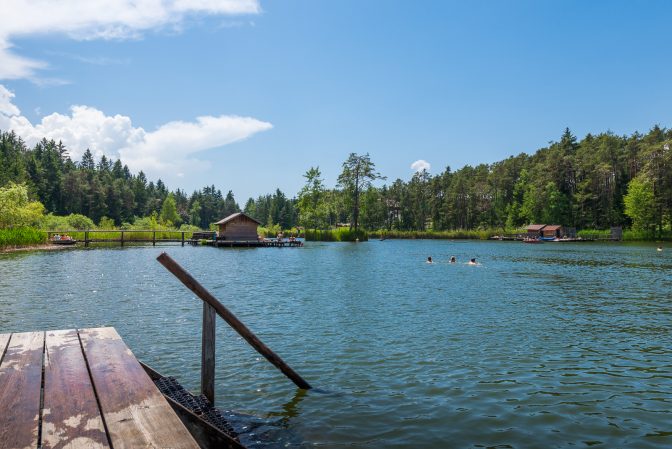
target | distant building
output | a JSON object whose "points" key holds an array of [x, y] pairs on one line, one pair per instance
{"points": [[552, 231], [238, 227], [534, 230]]}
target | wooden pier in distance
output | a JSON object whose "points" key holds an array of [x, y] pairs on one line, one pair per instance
{"points": [[265, 243], [81, 389], [125, 237]]}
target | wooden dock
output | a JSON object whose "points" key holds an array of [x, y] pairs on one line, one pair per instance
{"points": [[125, 237], [266, 243], [81, 389]]}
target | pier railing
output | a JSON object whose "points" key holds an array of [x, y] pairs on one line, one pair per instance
{"points": [[125, 236], [212, 306]]}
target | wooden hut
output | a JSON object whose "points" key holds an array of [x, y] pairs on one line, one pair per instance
{"points": [[535, 230], [238, 227], [554, 231]]}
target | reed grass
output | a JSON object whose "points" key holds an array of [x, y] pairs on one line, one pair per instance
{"points": [[629, 235], [482, 234], [336, 235], [21, 237]]}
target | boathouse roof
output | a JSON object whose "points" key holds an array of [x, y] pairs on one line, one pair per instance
{"points": [[536, 227], [234, 216], [552, 227]]}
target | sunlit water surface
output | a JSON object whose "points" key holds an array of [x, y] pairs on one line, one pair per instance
{"points": [[554, 345]]}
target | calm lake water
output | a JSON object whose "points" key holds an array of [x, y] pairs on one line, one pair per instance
{"points": [[554, 345]]}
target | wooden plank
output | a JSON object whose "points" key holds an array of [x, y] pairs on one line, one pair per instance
{"points": [[20, 385], [135, 412], [208, 353], [70, 418]]}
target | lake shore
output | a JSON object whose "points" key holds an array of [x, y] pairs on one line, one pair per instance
{"points": [[39, 247]]}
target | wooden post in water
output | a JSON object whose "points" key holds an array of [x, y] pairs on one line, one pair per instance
{"points": [[122, 238], [86, 238], [193, 285], [182, 238], [208, 353], [154, 238]]}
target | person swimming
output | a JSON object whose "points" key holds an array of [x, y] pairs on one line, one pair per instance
{"points": [[429, 259], [660, 248], [453, 259], [472, 262]]}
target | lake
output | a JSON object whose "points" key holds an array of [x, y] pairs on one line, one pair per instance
{"points": [[553, 345]]}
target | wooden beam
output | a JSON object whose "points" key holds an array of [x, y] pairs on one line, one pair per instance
{"points": [[4, 339], [193, 285], [20, 385], [208, 353], [135, 412], [71, 418]]}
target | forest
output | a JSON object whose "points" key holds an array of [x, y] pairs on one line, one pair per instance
{"points": [[604, 180], [600, 181]]}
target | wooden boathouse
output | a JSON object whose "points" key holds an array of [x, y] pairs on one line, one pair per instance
{"points": [[240, 230], [535, 230], [238, 227], [552, 231]]}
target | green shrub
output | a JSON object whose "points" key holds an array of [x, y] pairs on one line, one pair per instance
{"points": [[270, 232], [189, 228], [16, 210], [106, 223], [78, 221], [53, 222]]}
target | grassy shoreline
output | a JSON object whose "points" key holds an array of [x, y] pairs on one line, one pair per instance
{"points": [[36, 247], [460, 234], [30, 238], [20, 237]]}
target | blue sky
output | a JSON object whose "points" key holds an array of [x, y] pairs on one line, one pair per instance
{"points": [[280, 86]]}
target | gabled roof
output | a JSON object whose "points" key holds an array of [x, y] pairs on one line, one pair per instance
{"points": [[234, 216], [552, 227], [536, 227]]}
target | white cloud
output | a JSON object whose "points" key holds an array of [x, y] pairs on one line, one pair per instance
{"points": [[6, 106], [167, 152], [421, 165], [96, 19]]}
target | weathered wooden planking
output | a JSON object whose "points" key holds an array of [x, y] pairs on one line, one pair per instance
{"points": [[20, 385], [70, 418], [135, 412]]}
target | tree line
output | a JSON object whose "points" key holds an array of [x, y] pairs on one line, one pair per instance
{"points": [[106, 191], [600, 181]]}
